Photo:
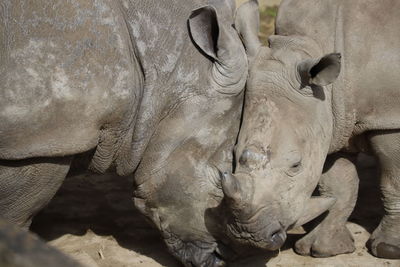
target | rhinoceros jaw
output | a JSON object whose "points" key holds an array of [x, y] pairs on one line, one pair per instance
{"points": [[315, 207]]}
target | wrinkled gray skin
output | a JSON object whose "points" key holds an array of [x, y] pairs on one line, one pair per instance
{"points": [[149, 87], [304, 105]]}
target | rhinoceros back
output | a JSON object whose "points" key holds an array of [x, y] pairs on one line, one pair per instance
{"points": [[68, 75]]}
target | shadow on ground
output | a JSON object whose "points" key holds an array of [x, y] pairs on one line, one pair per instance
{"points": [[100, 204], [93, 205], [369, 208]]}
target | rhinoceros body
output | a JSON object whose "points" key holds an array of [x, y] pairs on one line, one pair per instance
{"points": [[145, 86], [328, 85], [364, 33]]}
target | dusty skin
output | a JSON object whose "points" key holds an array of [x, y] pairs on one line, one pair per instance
{"points": [[93, 220]]}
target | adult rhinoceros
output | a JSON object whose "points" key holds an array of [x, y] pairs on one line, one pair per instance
{"points": [[304, 103], [151, 87]]}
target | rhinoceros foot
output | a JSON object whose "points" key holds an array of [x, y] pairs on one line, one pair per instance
{"points": [[383, 245], [326, 242]]}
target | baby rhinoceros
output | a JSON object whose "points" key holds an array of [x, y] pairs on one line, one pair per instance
{"points": [[306, 110]]}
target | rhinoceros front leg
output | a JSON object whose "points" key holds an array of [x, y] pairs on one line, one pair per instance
{"points": [[385, 240], [331, 237], [26, 186]]}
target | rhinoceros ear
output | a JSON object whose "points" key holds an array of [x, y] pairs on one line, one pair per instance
{"points": [[219, 40], [204, 28], [320, 72], [247, 23]]}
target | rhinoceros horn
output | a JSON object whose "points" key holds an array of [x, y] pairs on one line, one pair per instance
{"points": [[232, 190], [315, 207]]}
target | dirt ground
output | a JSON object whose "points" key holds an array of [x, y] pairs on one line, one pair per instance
{"points": [[93, 220]]}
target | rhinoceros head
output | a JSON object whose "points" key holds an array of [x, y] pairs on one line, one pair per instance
{"points": [[284, 138], [177, 179]]}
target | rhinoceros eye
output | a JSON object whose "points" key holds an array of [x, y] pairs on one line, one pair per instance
{"points": [[294, 169], [295, 166]]}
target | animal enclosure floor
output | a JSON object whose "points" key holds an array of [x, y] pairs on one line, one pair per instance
{"points": [[92, 219]]}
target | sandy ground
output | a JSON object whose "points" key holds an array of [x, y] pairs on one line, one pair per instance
{"points": [[93, 219]]}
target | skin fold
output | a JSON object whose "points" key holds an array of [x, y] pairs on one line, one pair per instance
{"points": [[321, 92]]}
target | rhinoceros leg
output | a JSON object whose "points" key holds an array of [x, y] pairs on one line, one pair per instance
{"points": [[26, 186], [385, 240], [331, 237]]}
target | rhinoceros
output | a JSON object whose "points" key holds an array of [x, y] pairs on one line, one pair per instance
{"points": [[19, 248], [149, 87], [328, 86]]}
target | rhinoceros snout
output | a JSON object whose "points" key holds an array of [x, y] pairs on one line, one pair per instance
{"points": [[270, 237]]}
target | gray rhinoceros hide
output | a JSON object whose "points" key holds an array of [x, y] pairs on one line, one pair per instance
{"points": [[329, 82], [151, 87]]}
